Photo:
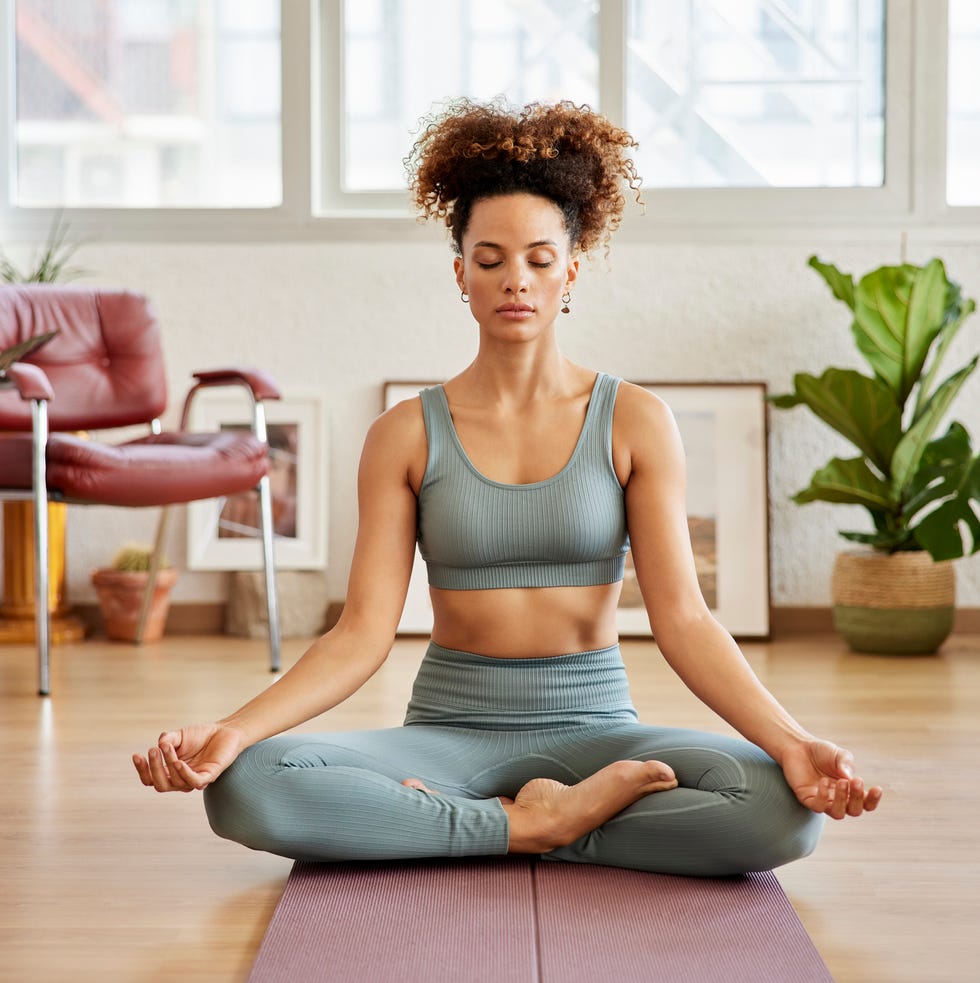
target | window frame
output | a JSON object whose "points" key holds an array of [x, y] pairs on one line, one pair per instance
{"points": [[313, 207]]}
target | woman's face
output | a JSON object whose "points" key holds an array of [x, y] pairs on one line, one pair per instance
{"points": [[516, 263]]}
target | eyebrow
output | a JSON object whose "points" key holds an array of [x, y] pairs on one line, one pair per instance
{"points": [[530, 245]]}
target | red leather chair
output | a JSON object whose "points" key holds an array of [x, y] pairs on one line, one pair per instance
{"points": [[105, 370]]}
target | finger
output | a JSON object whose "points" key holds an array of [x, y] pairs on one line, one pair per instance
{"points": [[143, 769], [855, 805], [838, 808], [872, 799], [158, 770], [844, 762], [172, 737], [191, 778], [173, 767]]}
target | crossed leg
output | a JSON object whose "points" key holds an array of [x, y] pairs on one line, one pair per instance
{"points": [[581, 795]]}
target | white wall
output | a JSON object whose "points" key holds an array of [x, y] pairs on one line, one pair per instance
{"points": [[343, 317]]}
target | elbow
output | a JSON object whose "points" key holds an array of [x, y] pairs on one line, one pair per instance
{"points": [[359, 629], [678, 630]]}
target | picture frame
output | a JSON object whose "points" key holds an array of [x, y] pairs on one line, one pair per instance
{"points": [[223, 533], [724, 429]]}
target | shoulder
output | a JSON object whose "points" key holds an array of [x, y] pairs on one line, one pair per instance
{"points": [[644, 430], [638, 410], [396, 439]]}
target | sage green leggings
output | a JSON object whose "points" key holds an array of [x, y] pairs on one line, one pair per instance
{"points": [[480, 727]]}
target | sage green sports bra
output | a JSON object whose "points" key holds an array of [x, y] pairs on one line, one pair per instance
{"points": [[566, 531]]}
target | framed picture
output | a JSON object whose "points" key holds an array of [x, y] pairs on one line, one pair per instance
{"points": [[723, 427], [224, 533]]}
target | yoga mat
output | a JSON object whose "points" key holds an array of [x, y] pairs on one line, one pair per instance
{"points": [[524, 921], [653, 928], [465, 921]]}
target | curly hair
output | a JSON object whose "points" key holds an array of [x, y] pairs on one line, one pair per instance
{"points": [[569, 154]]}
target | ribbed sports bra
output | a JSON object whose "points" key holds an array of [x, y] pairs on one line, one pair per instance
{"points": [[566, 531]]}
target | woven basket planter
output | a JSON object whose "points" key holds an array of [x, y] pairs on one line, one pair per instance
{"points": [[893, 604]]}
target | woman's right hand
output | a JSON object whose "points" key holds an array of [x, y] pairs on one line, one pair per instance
{"points": [[189, 758]]}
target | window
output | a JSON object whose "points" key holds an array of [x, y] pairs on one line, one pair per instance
{"points": [[289, 119], [147, 103], [757, 93], [751, 94], [398, 65], [963, 104]]}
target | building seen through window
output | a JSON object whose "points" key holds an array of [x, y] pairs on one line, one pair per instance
{"points": [[147, 103]]}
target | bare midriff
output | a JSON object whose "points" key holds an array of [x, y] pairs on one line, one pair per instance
{"points": [[526, 622]]}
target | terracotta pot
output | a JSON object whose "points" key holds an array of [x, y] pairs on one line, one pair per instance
{"points": [[120, 595], [893, 604]]}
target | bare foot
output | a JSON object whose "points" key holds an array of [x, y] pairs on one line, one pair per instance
{"points": [[547, 814]]}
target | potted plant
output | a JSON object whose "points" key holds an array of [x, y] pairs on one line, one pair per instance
{"points": [[120, 591], [897, 594]]}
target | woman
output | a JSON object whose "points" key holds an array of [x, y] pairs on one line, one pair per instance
{"points": [[525, 480]]}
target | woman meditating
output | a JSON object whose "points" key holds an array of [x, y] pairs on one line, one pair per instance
{"points": [[525, 479]]}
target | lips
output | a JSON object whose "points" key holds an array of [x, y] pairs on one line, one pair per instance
{"points": [[515, 309]]}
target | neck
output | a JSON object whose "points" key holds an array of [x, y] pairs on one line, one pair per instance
{"points": [[519, 373]]}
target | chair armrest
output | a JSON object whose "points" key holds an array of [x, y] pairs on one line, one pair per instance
{"points": [[260, 384], [29, 381]]}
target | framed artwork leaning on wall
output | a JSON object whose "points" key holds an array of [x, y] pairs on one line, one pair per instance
{"points": [[223, 533]]}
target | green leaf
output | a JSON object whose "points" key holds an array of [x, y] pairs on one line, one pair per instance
{"points": [[898, 312], [857, 406], [849, 482], [957, 311], [786, 401], [944, 463], [842, 284], [949, 473], [908, 453]]}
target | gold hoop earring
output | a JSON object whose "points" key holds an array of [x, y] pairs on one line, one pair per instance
{"points": [[464, 296], [566, 300]]}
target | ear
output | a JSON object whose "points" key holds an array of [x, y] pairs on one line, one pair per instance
{"points": [[460, 273], [572, 273]]}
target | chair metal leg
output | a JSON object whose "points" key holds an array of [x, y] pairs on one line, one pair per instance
{"points": [[269, 562], [42, 616], [163, 524]]}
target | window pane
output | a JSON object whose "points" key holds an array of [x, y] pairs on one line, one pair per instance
{"points": [[398, 63], [963, 122], [148, 103], [757, 93]]}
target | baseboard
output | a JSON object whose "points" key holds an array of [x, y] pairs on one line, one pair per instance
{"points": [[183, 619], [786, 621], [209, 619]]}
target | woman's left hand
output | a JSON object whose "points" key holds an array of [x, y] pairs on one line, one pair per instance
{"points": [[822, 777]]}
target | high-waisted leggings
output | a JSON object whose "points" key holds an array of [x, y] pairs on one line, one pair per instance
{"points": [[480, 727]]}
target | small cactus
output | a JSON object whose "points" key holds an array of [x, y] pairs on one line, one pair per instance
{"points": [[134, 558]]}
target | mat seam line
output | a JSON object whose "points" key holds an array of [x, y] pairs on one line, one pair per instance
{"points": [[539, 975]]}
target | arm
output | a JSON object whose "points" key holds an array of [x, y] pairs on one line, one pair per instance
{"points": [[694, 644], [341, 661]]}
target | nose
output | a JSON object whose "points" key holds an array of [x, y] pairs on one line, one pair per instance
{"points": [[515, 279]]}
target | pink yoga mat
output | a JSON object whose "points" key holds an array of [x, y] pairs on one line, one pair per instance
{"points": [[518, 920], [468, 921], [652, 927]]}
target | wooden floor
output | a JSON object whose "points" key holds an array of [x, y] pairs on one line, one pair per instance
{"points": [[104, 880]]}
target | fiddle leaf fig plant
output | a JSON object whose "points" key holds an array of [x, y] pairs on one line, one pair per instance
{"points": [[922, 491]]}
